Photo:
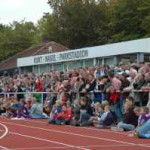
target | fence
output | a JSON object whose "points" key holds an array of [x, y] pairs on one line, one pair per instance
{"points": [[91, 95]]}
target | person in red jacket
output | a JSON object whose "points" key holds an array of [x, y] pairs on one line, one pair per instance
{"points": [[39, 83], [66, 115], [115, 85]]}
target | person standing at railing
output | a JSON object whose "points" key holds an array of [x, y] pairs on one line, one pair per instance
{"points": [[115, 85], [131, 78], [99, 72], [146, 88], [39, 83], [82, 86], [125, 83], [89, 87], [20, 94], [99, 89]]}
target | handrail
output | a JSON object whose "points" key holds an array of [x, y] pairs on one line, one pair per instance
{"points": [[95, 91]]}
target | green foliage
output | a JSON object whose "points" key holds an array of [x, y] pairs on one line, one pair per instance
{"points": [[80, 22], [16, 37], [129, 20]]}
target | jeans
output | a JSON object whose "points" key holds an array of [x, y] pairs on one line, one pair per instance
{"points": [[37, 116], [144, 130], [117, 111], [84, 119], [126, 127], [122, 102]]}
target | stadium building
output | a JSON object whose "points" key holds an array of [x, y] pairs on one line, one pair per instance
{"points": [[10, 65], [63, 59]]}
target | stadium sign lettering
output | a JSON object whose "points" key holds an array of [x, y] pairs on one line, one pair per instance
{"points": [[38, 60], [61, 57], [74, 55], [50, 58]]}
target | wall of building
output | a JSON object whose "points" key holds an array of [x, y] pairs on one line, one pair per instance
{"points": [[70, 65], [111, 54]]}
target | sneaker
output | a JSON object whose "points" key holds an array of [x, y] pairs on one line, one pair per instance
{"points": [[133, 135], [116, 129], [15, 118]]}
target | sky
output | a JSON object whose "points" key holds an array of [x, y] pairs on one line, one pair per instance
{"points": [[30, 10]]}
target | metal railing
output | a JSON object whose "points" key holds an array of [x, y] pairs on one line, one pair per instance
{"points": [[8, 94]]}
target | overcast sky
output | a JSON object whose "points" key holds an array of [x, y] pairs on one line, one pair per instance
{"points": [[31, 10]]}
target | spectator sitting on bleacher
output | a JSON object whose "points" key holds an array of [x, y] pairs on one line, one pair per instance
{"points": [[99, 110], [85, 112], [56, 111], [130, 120], [36, 110], [144, 116], [76, 113], [106, 120]]}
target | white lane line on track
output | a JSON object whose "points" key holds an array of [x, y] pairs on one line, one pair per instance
{"points": [[102, 130], [3, 148], [114, 145], [89, 146], [40, 148], [49, 141], [3, 136], [75, 134], [87, 128], [6, 131]]}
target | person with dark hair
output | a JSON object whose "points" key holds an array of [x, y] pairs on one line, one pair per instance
{"points": [[85, 112], [20, 95], [92, 83], [130, 119]]}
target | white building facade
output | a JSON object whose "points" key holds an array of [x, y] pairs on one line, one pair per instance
{"points": [[110, 54]]}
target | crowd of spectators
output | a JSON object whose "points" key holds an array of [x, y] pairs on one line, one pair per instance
{"points": [[100, 96]]}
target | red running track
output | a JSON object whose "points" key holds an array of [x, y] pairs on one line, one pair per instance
{"points": [[38, 135]]}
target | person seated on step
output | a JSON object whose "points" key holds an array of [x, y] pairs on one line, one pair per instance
{"points": [[36, 110], [85, 112], [56, 111], [106, 119], [144, 116], [65, 116], [99, 110], [130, 119]]}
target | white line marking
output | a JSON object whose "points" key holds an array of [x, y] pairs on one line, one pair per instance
{"points": [[40, 148], [6, 131], [89, 146], [103, 130], [116, 145], [49, 141], [122, 133], [3, 148], [75, 134], [1, 137]]}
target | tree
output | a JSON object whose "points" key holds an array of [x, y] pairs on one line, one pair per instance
{"points": [[127, 21], [144, 9], [78, 23], [16, 37]]}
